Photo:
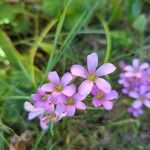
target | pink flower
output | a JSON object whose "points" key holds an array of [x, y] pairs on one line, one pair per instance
{"points": [[41, 99], [142, 97], [33, 111], [103, 99], [135, 112], [135, 70], [59, 86], [51, 115], [92, 75], [71, 103]]}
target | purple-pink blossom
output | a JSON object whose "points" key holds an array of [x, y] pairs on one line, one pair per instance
{"points": [[71, 103], [142, 97], [59, 86], [103, 99], [41, 99], [136, 112], [135, 80], [60, 97], [92, 75]]}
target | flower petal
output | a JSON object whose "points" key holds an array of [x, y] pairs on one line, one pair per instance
{"points": [[148, 95], [28, 106], [96, 102], [112, 95], [147, 103], [48, 87], [66, 78], [137, 104], [129, 74], [34, 114], [80, 105], [143, 89], [79, 97], [85, 87], [103, 85], [53, 77], [60, 108], [69, 90], [61, 99], [79, 71], [144, 66], [134, 94], [95, 90], [43, 125], [136, 63], [107, 105], [128, 68], [92, 62], [105, 69], [70, 110]]}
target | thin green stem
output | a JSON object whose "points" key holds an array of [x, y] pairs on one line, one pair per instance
{"points": [[94, 108], [108, 38]]}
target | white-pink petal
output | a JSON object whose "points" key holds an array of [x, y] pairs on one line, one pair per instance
{"points": [[53, 77], [96, 102], [146, 103], [128, 68], [85, 87], [136, 63], [134, 94], [34, 114], [70, 110], [28, 106], [79, 71], [107, 105], [137, 104], [92, 62], [80, 105], [66, 78], [103, 85], [69, 90], [144, 66], [48, 87], [105, 69]]}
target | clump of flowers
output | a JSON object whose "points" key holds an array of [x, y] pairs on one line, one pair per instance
{"points": [[135, 80], [61, 98]]}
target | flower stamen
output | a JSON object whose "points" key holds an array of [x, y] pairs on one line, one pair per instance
{"points": [[70, 101], [92, 77], [59, 87]]}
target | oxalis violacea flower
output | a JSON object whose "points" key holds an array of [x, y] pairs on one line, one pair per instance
{"points": [[103, 99], [92, 75], [60, 98], [135, 80]]}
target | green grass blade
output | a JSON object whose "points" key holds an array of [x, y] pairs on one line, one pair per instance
{"points": [[77, 27], [11, 53], [35, 47], [39, 138], [58, 33]]}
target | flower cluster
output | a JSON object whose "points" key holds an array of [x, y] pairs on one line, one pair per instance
{"points": [[61, 98], [135, 80]]}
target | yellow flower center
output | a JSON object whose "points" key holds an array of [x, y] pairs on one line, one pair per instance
{"points": [[59, 87], [70, 101], [100, 96], [43, 98], [51, 117], [92, 77]]}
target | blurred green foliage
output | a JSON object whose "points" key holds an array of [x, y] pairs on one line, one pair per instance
{"points": [[39, 36]]}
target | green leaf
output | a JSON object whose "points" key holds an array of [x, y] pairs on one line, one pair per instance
{"points": [[140, 23]]}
